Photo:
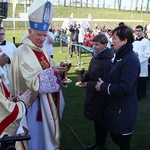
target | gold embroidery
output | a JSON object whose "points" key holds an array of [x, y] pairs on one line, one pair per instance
{"points": [[44, 63]]}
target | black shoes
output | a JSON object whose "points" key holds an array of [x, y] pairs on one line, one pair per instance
{"points": [[91, 147], [95, 147]]}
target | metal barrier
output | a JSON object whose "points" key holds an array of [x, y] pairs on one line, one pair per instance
{"points": [[89, 49]]}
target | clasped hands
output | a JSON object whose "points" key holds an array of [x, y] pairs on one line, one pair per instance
{"points": [[98, 85]]}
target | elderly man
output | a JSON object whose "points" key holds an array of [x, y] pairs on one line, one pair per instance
{"points": [[33, 68]]}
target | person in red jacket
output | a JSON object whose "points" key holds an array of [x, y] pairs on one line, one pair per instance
{"points": [[87, 38]]}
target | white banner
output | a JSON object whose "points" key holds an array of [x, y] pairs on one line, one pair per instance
{"points": [[14, 7], [14, 10]]}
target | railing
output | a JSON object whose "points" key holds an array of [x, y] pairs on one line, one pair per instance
{"points": [[86, 48]]}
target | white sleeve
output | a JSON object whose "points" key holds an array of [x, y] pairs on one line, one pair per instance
{"points": [[145, 54], [20, 128]]}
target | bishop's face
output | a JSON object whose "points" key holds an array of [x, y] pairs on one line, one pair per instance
{"points": [[37, 37]]}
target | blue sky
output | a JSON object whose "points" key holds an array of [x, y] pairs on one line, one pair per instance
{"points": [[110, 3]]}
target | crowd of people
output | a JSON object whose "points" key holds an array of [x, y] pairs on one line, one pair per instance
{"points": [[76, 35], [31, 80]]}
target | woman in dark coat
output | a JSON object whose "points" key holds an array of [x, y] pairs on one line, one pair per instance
{"points": [[95, 101], [120, 87]]}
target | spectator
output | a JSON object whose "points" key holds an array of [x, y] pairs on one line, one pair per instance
{"points": [[87, 38], [96, 30], [68, 34], [90, 44], [81, 34], [74, 37], [72, 31], [57, 34]]}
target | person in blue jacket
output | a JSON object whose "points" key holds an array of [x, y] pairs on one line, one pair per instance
{"points": [[120, 87]]}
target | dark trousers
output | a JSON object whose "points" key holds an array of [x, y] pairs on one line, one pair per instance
{"points": [[74, 48], [123, 141], [100, 133], [141, 87]]}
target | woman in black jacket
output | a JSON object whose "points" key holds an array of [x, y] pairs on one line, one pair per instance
{"points": [[120, 87], [95, 101]]}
